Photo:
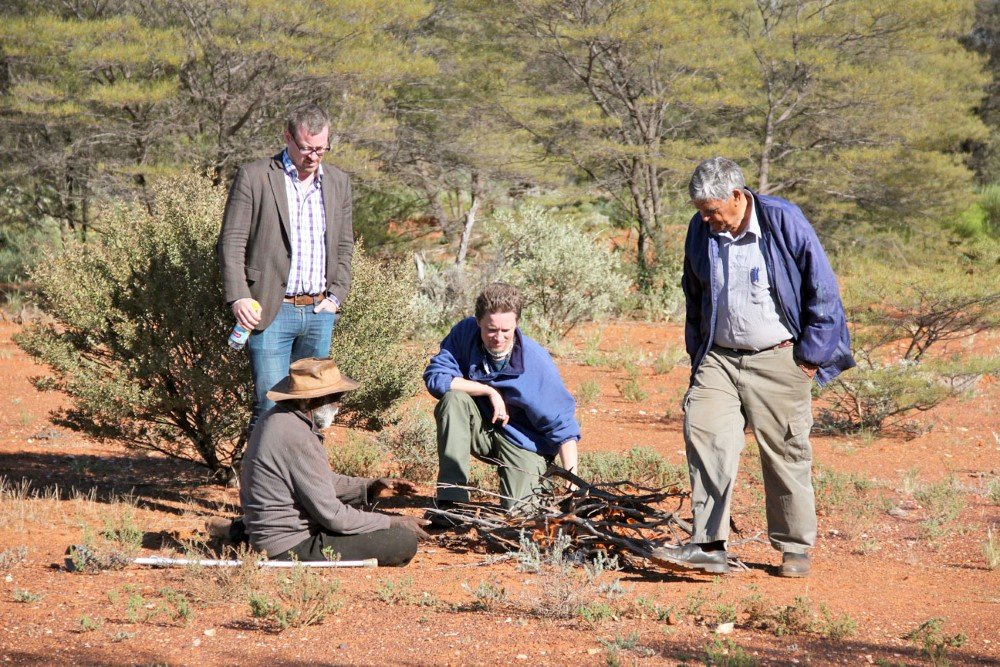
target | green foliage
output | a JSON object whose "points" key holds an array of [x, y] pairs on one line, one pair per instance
{"points": [[25, 597], [944, 503], [630, 388], [370, 340], [989, 200], [900, 312], [835, 627], [588, 392], [138, 334], [122, 531], [396, 591], [668, 359], [563, 273], [488, 595], [88, 624], [836, 491], [795, 618], [12, 556], [360, 456], [991, 549], [641, 465], [724, 652], [930, 639], [413, 444], [302, 597]]}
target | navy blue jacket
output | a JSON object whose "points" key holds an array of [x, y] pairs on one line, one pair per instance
{"points": [[540, 408], [802, 278]]}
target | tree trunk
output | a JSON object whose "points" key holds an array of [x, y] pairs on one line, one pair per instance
{"points": [[470, 218]]}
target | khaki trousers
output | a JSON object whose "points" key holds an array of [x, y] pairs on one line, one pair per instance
{"points": [[461, 434], [770, 392]]}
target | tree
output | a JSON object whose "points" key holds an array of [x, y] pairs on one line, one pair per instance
{"points": [[250, 62], [849, 106], [618, 87], [86, 108], [452, 143]]}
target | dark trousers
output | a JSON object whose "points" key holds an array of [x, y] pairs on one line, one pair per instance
{"points": [[392, 547]]}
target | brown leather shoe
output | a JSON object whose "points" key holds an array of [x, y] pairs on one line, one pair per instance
{"points": [[794, 565]]}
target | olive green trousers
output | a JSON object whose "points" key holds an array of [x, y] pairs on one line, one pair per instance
{"points": [[461, 434]]}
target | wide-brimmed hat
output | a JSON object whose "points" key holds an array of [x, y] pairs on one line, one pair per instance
{"points": [[309, 378]]}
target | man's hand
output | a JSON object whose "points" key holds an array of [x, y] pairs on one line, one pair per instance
{"points": [[325, 306], [499, 409], [808, 369], [411, 523], [387, 487], [247, 312]]}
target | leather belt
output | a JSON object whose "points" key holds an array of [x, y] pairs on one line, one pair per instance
{"points": [[784, 343], [305, 299]]}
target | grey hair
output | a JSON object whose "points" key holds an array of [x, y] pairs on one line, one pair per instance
{"points": [[715, 178], [308, 117]]}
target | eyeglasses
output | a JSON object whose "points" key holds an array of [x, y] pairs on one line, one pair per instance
{"points": [[318, 152]]}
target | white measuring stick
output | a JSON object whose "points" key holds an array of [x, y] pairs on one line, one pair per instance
{"points": [[159, 561]]}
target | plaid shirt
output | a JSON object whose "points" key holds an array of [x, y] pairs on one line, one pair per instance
{"points": [[307, 224]]}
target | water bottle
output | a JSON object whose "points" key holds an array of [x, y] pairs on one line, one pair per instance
{"points": [[239, 336]]}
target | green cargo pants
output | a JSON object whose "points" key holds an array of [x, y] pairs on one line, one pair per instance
{"points": [[461, 433], [768, 390]]}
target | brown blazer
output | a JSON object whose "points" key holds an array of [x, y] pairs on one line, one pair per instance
{"points": [[254, 250]]}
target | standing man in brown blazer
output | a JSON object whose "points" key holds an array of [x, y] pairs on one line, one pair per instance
{"points": [[286, 243]]}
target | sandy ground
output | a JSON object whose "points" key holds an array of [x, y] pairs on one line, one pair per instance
{"points": [[885, 572]]}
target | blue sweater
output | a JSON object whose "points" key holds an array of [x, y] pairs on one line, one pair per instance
{"points": [[540, 408], [803, 281]]}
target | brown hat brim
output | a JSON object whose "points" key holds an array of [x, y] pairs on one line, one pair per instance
{"points": [[280, 391]]}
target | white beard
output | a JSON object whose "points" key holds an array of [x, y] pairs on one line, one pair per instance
{"points": [[324, 415]]}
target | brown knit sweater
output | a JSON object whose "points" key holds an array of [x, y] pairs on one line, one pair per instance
{"points": [[288, 491]]}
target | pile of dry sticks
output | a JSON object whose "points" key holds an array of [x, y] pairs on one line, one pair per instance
{"points": [[620, 519]]}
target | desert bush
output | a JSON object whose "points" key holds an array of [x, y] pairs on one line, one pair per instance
{"points": [[137, 337], [359, 456], [369, 342], [930, 638], [566, 275], [12, 556], [991, 550], [138, 332], [302, 597], [446, 294], [641, 465], [588, 392], [412, 441], [898, 314]]}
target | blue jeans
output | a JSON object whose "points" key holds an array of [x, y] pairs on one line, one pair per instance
{"points": [[296, 333]]}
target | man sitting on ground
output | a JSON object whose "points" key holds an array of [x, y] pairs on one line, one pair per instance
{"points": [[501, 400], [295, 507]]}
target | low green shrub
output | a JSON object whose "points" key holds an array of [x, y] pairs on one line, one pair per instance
{"points": [[303, 596], [370, 341], [563, 272], [641, 465], [412, 442], [359, 456]]}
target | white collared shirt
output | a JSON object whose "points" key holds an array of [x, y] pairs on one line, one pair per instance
{"points": [[747, 315]]}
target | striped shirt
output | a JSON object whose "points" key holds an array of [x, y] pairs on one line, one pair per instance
{"points": [[307, 227], [748, 317]]}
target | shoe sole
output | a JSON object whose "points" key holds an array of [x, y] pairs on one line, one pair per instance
{"points": [[793, 575], [680, 566]]}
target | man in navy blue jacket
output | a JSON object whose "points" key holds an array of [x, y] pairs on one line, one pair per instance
{"points": [[764, 319], [501, 400]]}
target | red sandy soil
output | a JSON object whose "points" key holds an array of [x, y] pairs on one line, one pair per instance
{"points": [[879, 569]]}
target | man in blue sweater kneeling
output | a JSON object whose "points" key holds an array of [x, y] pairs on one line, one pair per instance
{"points": [[501, 399]]}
